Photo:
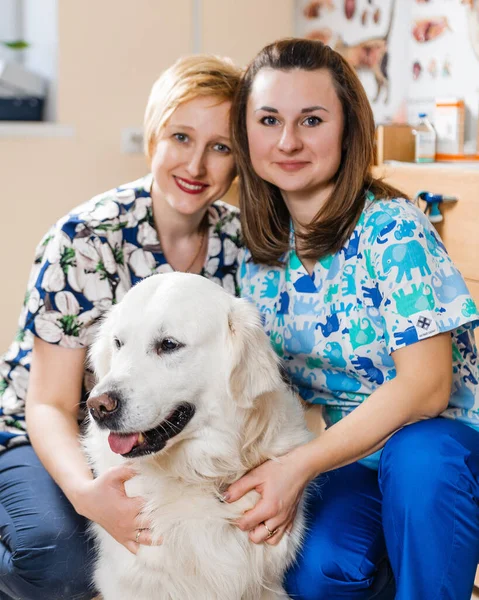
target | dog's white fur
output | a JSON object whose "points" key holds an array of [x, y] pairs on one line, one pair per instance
{"points": [[245, 414]]}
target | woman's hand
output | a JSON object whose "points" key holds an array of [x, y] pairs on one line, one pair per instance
{"points": [[280, 483], [54, 391], [104, 501]]}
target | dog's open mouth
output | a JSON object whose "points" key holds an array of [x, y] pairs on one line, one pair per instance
{"points": [[131, 445]]}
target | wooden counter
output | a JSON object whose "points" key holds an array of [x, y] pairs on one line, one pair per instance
{"points": [[460, 228]]}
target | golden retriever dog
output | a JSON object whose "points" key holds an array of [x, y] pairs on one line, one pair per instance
{"points": [[190, 391]]}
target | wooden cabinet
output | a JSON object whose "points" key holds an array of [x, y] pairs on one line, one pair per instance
{"points": [[460, 228]]}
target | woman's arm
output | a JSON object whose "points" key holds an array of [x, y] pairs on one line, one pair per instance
{"points": [[420, 390], [51, 412], [53, 397]]}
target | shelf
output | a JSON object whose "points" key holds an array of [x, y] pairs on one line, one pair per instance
{"points": [[32, 129], [470, 165]]}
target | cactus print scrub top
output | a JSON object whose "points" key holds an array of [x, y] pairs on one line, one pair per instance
{"points": [[391, 285]]}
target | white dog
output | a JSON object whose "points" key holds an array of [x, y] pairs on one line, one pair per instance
{"points": [[189, 388]]}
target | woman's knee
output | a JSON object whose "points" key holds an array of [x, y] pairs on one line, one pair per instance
{"points": [[420, 462], [343, 541], [45, 552], [55, 567]]}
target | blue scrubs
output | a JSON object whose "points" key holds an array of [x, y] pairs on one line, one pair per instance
{"points": [[421, 509], [391, 285]]}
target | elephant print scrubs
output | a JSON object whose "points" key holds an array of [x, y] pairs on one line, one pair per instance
{"points": [[392, 284]]}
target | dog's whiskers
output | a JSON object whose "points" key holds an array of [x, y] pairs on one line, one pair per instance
{"points": [[164, 429], [172, 425]]}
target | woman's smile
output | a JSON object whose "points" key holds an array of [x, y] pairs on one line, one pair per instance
{"points": [[295, 127], [188, 186], [292, 166], [193, 163]]}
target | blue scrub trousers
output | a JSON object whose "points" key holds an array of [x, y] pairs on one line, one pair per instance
{"points": [[421, 509], [44, 551]]}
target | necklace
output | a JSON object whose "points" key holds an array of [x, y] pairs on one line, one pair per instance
{"points": [[203, 228], [202, 239]]}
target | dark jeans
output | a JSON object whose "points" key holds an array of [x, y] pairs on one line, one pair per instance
{"points": [[44, 550]]}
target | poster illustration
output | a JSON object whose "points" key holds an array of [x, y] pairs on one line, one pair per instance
{"points": [[362, 31], [407, 53]]}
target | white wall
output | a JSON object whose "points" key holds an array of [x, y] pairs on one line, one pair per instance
{"points": [[40, 29], [10, 26]]}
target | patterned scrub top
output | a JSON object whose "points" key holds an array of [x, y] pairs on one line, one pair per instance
{"points": [[87, 262], [392, 284]]}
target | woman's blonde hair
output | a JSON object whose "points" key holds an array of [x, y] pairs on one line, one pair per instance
{"points": [[188, 78]]}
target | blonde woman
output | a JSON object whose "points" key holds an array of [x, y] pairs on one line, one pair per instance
{"points": [[170, 220]]}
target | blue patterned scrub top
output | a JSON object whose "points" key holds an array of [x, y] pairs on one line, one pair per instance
{"points": [[391, 285], [87, 262]]}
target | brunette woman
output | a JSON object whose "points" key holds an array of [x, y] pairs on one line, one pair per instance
{"points": [[374, 324]]}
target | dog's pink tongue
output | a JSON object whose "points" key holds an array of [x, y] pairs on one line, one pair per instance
{"points": [[122, 443]]}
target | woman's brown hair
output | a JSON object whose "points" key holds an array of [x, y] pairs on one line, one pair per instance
{"points": [[264, 215]]}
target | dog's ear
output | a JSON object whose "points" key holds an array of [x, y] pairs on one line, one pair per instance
{"points": [[255, 364], [101, 350]]}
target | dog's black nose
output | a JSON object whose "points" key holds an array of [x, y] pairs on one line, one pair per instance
{"points": [[103, 406]]}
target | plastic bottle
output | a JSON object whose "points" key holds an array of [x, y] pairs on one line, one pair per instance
{"points": [[425, 142]]}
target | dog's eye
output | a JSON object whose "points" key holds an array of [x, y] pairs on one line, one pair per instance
{"points": [[167, 345], [117, 343]]}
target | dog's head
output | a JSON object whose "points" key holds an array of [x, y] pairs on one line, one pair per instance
{"points": [[178, 359]]}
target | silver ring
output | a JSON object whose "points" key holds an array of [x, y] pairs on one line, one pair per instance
{"points": [[270, 533]]}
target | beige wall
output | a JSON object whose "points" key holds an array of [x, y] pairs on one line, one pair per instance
{"points": [[110, 52]]}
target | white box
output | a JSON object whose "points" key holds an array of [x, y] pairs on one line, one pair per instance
{"points": [[449, 120], [15, 80]]}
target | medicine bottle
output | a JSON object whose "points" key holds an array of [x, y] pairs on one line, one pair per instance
{"points": [[425, 140]]}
